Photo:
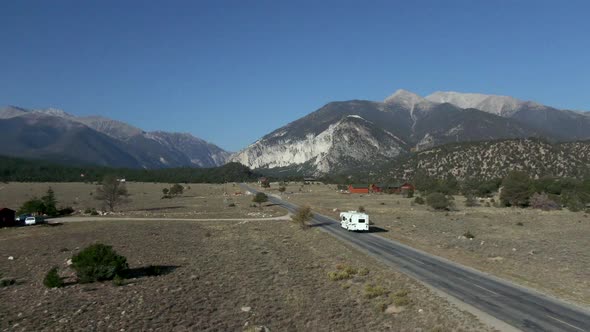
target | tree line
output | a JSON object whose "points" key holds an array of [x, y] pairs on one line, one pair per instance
{"points": [[26, 170]]}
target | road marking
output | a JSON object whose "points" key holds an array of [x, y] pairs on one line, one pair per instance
{"points": [[415, 260], [568, 324], [478, 286]]}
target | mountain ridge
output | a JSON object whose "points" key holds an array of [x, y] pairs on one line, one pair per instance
{"points": [[93, 139]]}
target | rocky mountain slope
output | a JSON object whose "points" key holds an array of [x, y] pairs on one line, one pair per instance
{"points": [[56, 135], [405, 122], [555, 123], [494, 159]]}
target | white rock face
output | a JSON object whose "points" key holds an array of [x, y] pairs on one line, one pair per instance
{"points": [[500, 105], [351, 139]]}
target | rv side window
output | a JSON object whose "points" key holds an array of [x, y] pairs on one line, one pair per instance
{"points": [[343, 218], [361, 220]]}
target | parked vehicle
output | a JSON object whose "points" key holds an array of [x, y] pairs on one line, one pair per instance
{"points": [[30, 221], [354, 221]]}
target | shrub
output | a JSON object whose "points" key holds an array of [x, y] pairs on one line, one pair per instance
{"points": [[66, 211], [516, 189], [469, 235], [5, 282], [543, 202], [176, 190], [471, 201], [373, 291], [260, 198], [118, 281], [302, 216], [231, 205], [572, 201], [438, 201], [52, 279], [410, 193], [98, 262], [282, 189], [361, 209], [93, 212], [400, 298], [343, 272], [419, 200]]}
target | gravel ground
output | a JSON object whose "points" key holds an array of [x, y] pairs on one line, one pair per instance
{"points": [[220, 276], [547, 251]]}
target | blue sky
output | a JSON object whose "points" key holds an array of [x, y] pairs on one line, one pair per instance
{"points": [[232, 71]]}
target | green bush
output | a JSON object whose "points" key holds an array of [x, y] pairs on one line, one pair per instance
{"points": [[343, 272], [517, 189], [572, 201], [118, 281], [438, 201], [409, 193], [373, 291], [302, 216], [52, 279], [260, 198], [419, 200], [98, 262], [401, 298]]}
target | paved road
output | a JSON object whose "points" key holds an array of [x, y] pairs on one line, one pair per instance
{"points": [[519, 307]]}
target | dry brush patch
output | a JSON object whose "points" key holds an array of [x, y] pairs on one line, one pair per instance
{"points": [[229, 276], [197, 201]]}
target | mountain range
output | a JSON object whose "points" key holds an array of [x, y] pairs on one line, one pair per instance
{"points": [[339, 137], [347, 134], [55, 135]]}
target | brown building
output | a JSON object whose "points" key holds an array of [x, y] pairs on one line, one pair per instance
{"points": [[7, 217]]}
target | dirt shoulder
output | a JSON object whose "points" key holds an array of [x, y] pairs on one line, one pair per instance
{"points": [[221, 276], [547, 251]]}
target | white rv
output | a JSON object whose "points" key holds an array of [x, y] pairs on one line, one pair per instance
{"points": [[354, 221]]}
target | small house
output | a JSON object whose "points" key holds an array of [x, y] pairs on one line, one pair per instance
{"points": [[407, 186], [358, 189], [7, 217], [375, 188]]}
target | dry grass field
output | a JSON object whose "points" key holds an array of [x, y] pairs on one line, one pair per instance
{"points": [[547, 251], [199, 201], [219, 276]]}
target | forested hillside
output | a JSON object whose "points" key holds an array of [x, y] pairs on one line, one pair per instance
{"points": [[495, 159], [24, 170]]}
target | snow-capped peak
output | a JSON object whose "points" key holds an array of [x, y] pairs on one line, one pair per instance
{"points": [[499, 105], [55, 112], [408, 100], [402, 96]]}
